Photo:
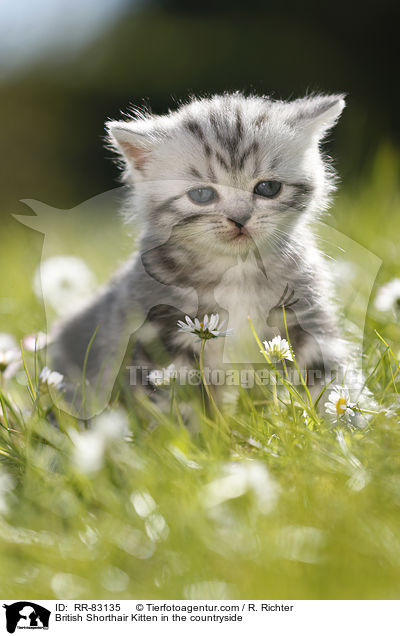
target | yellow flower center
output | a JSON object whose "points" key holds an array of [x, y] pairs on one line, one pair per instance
{"points": [[341, 405]]}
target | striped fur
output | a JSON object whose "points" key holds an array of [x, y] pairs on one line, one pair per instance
{"points": [[229, 143]]}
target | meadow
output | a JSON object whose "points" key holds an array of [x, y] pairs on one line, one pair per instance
{"points": [[268, 502]]}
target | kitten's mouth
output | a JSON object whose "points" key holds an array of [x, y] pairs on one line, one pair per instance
{"points": [[241, 234], [236, 236], [240, 239]]}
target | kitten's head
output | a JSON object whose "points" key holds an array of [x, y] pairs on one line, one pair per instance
{"points": [[228, 171]]}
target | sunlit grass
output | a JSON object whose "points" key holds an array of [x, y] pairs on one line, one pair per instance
{"points": [[278, 504]]}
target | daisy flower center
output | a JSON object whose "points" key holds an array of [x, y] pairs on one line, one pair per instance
{"points": [[341, 405]]}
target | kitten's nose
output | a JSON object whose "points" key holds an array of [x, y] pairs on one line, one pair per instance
{"points": [[240, 220]]}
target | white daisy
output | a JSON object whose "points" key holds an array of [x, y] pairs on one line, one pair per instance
{"points": [[10, 356], [7, 341], [90, 445], [162, 377], [277, 349], [65, 282], [239, 477], [7, 358], [208, 328], [113, 424], [50, 378], [35, 341], [388, 297], [339, 404]]}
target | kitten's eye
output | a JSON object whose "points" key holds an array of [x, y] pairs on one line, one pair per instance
{"points": [[268, 189], [202, 195]]}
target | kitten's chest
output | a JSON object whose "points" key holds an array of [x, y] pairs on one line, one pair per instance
{"points": [[245, 291]]}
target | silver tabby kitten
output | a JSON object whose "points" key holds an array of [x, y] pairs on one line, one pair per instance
{"points": [[225, 189]]}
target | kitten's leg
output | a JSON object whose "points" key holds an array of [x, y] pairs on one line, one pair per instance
{"points": [[88, 349]]}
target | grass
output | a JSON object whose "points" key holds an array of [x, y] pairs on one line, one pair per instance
{"points": [[268, 507]]}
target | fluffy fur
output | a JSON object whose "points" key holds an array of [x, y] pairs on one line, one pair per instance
{"points": [[241, 254]]}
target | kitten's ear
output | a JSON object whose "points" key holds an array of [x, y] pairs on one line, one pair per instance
{"points": [[316, 115], [133, 140]]}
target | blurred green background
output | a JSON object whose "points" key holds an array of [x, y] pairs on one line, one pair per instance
{"points": [[66, 66]]}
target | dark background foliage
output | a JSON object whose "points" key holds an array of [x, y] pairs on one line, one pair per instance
{"points": [[157, 53]]}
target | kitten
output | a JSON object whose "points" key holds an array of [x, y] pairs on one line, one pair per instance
{"points": [[225, 189]]}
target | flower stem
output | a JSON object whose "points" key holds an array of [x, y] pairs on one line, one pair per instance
{"points": [[171, 405], [307, 405], [33, 392], [147, 396], [206, 388], [302, 380]]}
